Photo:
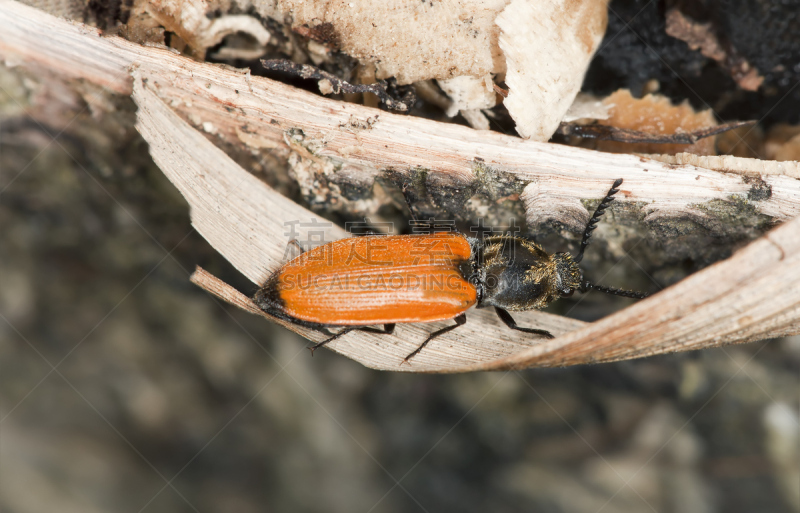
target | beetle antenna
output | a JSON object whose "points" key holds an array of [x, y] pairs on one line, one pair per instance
{"points": [[592, 224], [586, 286]]}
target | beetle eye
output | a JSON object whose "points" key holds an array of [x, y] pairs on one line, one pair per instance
{"points": [[567, 293]]}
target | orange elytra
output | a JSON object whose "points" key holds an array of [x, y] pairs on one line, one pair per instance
{"points": [[360, 282]]}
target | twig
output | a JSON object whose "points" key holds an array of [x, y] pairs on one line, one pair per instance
{"points": [[610, 133], [337, 85]]}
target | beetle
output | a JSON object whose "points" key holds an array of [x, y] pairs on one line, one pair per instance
{"points": [[360, 282]]}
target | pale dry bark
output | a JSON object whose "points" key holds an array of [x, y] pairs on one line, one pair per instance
{"points": [[753, 295], [257, 113], [548, 46], [243, 219]]}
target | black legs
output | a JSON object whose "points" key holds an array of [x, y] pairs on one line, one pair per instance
{"points": [[388, 329], [296, 244], [511, 323], [460, 321], [329, 340]]}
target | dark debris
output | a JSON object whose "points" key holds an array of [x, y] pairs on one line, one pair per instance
{"points": [[610, 133], [402, 100]]}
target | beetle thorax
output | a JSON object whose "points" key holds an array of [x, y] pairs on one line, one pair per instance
{"points": [[517, 274], [568, 274]]}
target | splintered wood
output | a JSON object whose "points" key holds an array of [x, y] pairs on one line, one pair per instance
{"points": [[753, 295]]}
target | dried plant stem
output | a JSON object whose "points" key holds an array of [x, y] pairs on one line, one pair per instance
{"points": [[755, 294], [611, 133], [337, 85]]}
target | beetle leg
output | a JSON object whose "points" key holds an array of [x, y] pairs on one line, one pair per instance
{"points": [[409, 196], [331, 339], [388, 329], [511, 323], [299, 251], [366, 233], [460, 321], [421, 222]]}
